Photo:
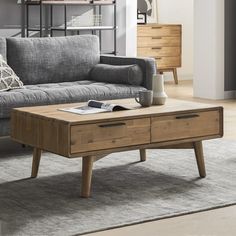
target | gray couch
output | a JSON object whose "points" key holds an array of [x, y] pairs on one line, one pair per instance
{"points": [[56, 70]]}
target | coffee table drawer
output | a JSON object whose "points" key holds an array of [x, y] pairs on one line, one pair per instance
{"points": [[85, 138], [189, 125]]}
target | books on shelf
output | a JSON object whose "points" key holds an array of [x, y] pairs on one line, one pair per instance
{"points": [[93, 107]]}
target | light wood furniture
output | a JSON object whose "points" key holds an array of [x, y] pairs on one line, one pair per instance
{"points": [[162, 42], [177, 124]]}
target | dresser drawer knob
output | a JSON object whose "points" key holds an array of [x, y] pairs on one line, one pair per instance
{"points": [[156, 48], [187, 116], [158, 58], [112, 125], [156, 37], [157, 27]]}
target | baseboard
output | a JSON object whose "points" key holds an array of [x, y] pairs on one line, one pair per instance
{"points": [[168, 76], [229, 94]]}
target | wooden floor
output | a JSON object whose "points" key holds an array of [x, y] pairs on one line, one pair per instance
{"points": [[220, 222]]}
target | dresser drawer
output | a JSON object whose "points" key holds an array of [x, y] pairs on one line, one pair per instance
{"points": [[158, 41], [85, 138], [189, 125], [159, 51], [168, 62], [158, 30]]}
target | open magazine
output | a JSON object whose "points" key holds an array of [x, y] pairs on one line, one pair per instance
{"points": [[93, 107]]}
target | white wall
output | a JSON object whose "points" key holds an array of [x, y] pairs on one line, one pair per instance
{"points": [[131, 28], [180, 12], [127, 28], [209, 49]]}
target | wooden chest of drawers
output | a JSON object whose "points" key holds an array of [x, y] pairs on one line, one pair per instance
{"points": [[162, 42]]}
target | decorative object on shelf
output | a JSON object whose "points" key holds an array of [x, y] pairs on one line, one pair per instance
{"points": [[141, 18], [97, 20], [84, 20], [149, 7], [159, 94]]}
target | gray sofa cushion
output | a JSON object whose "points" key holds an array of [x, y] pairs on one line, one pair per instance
{"points": [[67, 92], [52, 60], [125, 74], [148, 66], [3, 48], [8, 79]]}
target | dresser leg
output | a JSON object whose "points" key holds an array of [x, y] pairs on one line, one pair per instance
{"points": [[87, 170], [143, 156], [200, 158], [36, 162], [175, 75]]}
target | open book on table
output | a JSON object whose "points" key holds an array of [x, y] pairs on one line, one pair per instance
{"points": [[93, 107]]}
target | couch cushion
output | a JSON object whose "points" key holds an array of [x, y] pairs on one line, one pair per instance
{"points": [[53, 60], [3, 48], [124, 74], [8, 79], [67, 92]]}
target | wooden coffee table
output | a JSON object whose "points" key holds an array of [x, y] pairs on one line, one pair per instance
{"points": [[177, 124]]}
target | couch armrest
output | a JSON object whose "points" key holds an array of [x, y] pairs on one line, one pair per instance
{"points": [[148, 66]]}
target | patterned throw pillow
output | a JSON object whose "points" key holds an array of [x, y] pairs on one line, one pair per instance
{"points": [[8, 79]]}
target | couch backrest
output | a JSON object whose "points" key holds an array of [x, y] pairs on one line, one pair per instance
{"points": [[3, 47], [50, 60]]}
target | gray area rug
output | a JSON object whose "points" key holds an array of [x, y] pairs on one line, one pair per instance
{"points": [[124, 191]]}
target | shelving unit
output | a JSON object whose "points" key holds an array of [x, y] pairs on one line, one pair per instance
{"points": [[96, 5]]}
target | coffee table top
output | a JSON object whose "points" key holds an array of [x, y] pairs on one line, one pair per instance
{"points": [[171, 106]]}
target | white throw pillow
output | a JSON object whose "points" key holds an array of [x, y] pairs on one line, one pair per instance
{"points": [[8, 79]]}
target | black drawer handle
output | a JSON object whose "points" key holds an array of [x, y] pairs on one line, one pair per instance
{"points": [[187, 116], [112, 125], [156, 37], [156, 48], [156, 27]]}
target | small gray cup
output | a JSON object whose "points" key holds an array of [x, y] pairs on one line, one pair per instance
{"points": [[144, 98]]}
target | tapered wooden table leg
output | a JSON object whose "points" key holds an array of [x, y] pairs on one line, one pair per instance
{"points": [[175, 74], [143, 156], [200, 158], [36, 162], [87, 170]]}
